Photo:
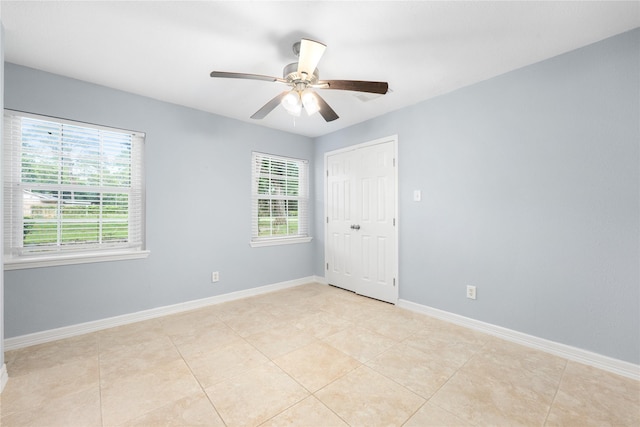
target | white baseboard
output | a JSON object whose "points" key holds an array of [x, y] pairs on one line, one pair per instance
{"points": [[596, 360], [97, 325], [322, 280], [606, 363], [4, 377]]}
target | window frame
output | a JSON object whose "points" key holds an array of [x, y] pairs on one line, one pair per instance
{"points": [[303, 235], [15, 188]]}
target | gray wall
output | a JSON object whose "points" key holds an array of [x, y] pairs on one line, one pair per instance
{"points": [[198, 210], [530, 191]]}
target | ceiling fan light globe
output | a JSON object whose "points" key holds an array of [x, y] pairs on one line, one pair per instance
{"points": [[291, 99], [292, 103], [295, 111], [310, 102]]}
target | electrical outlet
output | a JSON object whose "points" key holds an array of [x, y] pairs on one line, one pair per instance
{"points": [[471, 292], [215, 276]]}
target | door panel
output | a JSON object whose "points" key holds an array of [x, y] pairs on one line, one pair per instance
{"points": [[365, 219], [377, 221], [340, 249]]}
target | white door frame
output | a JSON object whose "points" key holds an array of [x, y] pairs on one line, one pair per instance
{"points": [[394, 140]]}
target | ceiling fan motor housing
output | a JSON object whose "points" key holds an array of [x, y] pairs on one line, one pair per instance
{"points": [[291, 75]]}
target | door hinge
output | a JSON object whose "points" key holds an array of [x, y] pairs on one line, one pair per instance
{"points": [[328, 267], [394, 282], [327, 220], [394, 222], [394, 162]]}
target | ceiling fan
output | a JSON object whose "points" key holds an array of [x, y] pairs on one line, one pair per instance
{"points": [[303, 77]]}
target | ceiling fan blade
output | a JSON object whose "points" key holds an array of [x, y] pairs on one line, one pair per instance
{"points": [[245, 76], [310, 54], [269, 106], [355, 85], [325, 111]]}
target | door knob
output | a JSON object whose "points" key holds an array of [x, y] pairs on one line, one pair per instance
{"points": [[356, 227]]}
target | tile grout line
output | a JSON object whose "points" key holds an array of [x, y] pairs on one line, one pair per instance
{"points": [[451, 377], [311, 393], [194, 376], [269, 359], [100, 379], [564, 370], [333, 381]]}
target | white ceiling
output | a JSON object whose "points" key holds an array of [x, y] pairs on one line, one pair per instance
{"points": [[166, 50]]}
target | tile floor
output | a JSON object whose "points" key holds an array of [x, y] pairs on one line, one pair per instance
{"points": [[309, 356]]}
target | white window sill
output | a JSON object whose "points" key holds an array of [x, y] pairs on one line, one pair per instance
{"points": [[279, 241], [68, 259]]}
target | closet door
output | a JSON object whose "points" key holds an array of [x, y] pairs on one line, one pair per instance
{"points": [[340, 249], [361, 245]]}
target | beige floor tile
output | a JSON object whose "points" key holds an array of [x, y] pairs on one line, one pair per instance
{"points": [[231, 309], [124, 361], [591, 397], [44, 356], [432, 416], [308, 291], [287, 312], [202, 341], [352, 307], [37, 388], [255, 396], [152, 373], [321, 324], [316, 365], [193, 410], [225, 362], [414, 369], [190, 322], [359, 343], [521, 367], [246, 324], [280, 303], [79, 409], [514, 357], [365, 398], [308, 413], [127, 398], [394, 323], [448, 342], [482, 399], [280, 339], [132, 334]]}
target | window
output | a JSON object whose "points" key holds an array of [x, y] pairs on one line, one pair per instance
{"points": [[73, 192], [280, 191]]}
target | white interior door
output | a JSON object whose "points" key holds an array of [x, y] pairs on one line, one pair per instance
{"points": [[361, 238], [340, 236]]}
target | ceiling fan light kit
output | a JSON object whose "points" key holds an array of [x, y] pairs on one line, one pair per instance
{"points": [[303, 77], [310, 102], [292, 103]]}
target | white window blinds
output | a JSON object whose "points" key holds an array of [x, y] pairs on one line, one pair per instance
{"points": [[70, 187], [280, 198]]}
